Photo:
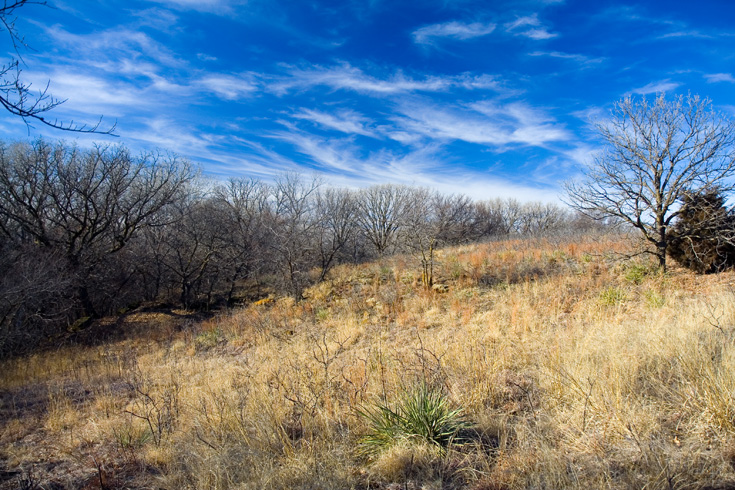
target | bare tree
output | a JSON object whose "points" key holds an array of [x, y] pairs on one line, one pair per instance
{"points": [[488, 219], [431, 220], [36, 294], [191, 247], [336, 210], [247, 204], [381, 209], [420, 229], [543, 219], [508, 214], [457, 219], [293, 227], [654, 152], [17, 96]]}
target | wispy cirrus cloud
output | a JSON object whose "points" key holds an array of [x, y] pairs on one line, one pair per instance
{"points": [[348, 77], [330, 155], [578, 58], [452, 30], [529, 26], [485, 123], [117, 44], [345, 121], [345, 165], [719, 77], [689, 33], [131, 62], [662, 26], [221, 7], [165, 132], [253, 159], [206, 57], [344, 161], [581, 153], [92, 94], [630, 13], [229, 87], [525, 124], [656, 87]]}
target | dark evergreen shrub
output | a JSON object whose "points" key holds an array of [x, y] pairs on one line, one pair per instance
{"points": [[703, 237]]}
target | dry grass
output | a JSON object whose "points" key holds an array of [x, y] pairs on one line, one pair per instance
{"points": [[577, 370]]}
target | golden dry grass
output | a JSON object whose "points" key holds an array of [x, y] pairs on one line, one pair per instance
{"points": [[578, 369]]}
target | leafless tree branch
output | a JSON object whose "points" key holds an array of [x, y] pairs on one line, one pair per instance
{"points": [[17, 96]]}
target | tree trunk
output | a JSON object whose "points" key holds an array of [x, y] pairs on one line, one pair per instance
{"points": [[86, 302], [661, 248]]}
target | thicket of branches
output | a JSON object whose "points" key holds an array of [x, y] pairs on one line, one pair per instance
{"points": [[84, 233]]}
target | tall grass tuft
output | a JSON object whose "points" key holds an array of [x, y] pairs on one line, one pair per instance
{"points": [[422, 414]]}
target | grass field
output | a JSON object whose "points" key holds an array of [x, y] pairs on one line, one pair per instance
{"points": [[565, 365]]}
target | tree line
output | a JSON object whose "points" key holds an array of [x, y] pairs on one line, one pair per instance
{"points": [[87, 232]]}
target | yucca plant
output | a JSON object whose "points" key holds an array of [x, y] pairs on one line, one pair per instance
{"points": [[422, 413]]}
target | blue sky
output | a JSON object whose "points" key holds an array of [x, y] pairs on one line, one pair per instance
{"points": [[490, 99]]}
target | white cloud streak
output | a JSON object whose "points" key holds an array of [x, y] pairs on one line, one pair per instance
{"points": [[529, 26], [347, 77], [86, 93], [343, 165], [452, 30], [345, 121], [164, 132], [221, 7], [486, 123], [578, 58], [656, 87], [229, 87], [686, 34], [331, 155], [113, 44], [719, 77]]}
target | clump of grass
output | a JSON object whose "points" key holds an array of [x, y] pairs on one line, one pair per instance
{"points": [[654, 299], [208, 339], [638, 272], [422, 414], [131, 436], [322, 314], [613, 296], [61, 413]]}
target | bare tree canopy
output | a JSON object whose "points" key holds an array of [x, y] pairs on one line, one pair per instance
{"points": [[17, 96], [84, 206], [655, 152], [381, 208]]}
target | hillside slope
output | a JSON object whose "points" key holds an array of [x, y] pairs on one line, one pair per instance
{"points": [[572, 369]]}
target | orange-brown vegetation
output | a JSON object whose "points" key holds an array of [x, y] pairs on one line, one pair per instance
{"points": [[577, 369]]}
